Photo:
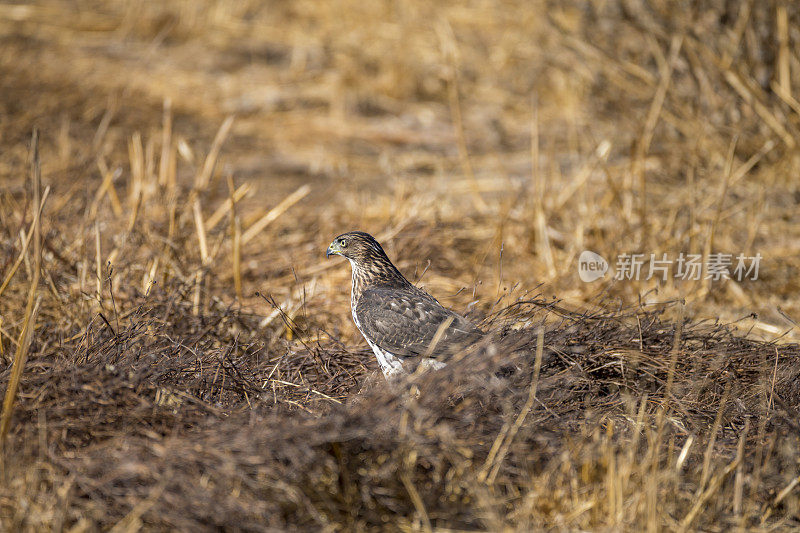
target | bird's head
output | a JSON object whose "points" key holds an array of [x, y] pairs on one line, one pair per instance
{"points": [[356, 246], [370, 264]]}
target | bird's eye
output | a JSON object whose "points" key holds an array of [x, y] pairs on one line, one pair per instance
{"points": [[343, 243]]}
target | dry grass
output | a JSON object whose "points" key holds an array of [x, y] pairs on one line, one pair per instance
{"points": [[191, 361]]}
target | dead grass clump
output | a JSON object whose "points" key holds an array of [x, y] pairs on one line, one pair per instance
{"points": [[184, 434]]}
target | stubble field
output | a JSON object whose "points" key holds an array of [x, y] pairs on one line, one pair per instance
{"points": [[177, 353]]}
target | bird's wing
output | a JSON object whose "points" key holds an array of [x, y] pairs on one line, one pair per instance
{"points": [[404, 323]]}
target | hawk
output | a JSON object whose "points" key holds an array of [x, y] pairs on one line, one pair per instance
{"points": [[404, 325]]}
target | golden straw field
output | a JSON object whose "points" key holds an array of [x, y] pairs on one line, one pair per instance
{"points": [[176, 352]]}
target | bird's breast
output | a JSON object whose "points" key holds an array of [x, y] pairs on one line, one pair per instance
{"points": [[355, 316]]}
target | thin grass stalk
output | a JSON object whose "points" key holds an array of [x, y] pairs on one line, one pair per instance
{"points": [[21, 357], [713, 488], [706, 472], [202, 179], [449, 46], [25, 242], [217, 216], [32, 305], [523, 413], [236, 239], [643, 146], [738, 484], [106, 187], [166, 144], [712, 229], [273, 214], [545, 251], [98, 265]]}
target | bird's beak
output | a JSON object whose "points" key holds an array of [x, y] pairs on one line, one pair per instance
{"points": [[331, 251]]}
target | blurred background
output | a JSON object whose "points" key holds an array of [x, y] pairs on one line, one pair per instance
{"points": [[487, 144]]}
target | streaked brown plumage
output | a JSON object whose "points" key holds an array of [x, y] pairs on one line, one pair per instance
{"points": [[399, 321]]}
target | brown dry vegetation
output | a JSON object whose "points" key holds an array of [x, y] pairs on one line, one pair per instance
{"points": [[486, 144]]}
